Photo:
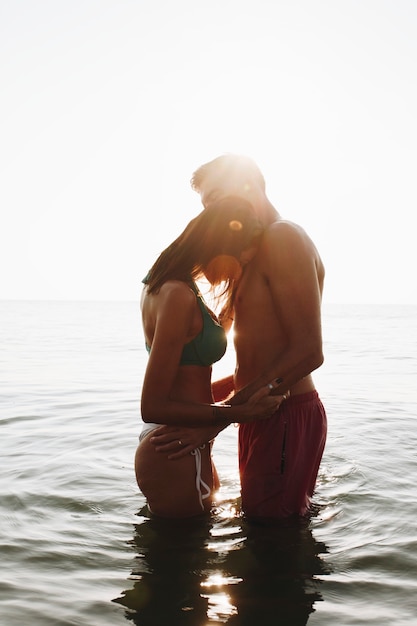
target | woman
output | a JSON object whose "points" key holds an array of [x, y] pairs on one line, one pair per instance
{"points": [[184, 339]]}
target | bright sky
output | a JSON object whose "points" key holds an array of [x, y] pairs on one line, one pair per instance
{"points": [[108, 106]]}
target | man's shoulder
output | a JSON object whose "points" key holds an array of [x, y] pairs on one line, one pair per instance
{"points": [[285, 230], [285, 243]]}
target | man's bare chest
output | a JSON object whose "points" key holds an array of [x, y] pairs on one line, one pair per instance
{"points": [[252, 291]]}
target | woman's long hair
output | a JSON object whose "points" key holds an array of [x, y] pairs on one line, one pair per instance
{"points": [[226, 228]]}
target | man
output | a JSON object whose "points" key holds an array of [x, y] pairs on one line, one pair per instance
{"points": [[277, 335]]}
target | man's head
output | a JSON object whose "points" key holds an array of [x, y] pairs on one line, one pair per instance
{"points": [[228, 175], [216, 243]]}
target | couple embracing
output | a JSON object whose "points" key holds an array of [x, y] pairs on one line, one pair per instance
{"points": [[267, 278]]}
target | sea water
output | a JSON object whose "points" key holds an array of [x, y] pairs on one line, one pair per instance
{"points": [[77, 544]]}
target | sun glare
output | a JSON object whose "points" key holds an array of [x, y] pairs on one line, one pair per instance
{"points": [[220, 606], [107, 162]]}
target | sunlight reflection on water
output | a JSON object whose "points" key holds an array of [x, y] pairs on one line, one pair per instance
{"points": [[76, 533]]}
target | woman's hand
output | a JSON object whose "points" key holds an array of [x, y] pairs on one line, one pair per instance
{"points": [[260, 405], [178, 441]]}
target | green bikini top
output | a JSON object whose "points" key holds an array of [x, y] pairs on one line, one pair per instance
{"points": [[209, 345]]}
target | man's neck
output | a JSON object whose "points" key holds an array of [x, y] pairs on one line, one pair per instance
{"points": [[268, 213]]}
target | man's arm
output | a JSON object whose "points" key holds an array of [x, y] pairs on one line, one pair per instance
{"points": [[166, 439]]}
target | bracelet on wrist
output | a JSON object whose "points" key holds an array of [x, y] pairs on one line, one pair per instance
{"points": [[218, 418]]}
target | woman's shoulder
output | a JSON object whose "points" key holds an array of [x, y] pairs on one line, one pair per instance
{"points": [[177, 291]]}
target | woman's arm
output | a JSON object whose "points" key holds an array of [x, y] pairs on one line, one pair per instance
{"points": [[223, 388], [173, 320]]}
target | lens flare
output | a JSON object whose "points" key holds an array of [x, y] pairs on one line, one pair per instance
{"points": [[235, 225], [223, 267]]}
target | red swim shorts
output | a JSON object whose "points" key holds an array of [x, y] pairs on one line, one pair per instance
{"points": [[279, 458]]}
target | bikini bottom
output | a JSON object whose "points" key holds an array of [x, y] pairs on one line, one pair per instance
{"points": [[202, 487]]}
